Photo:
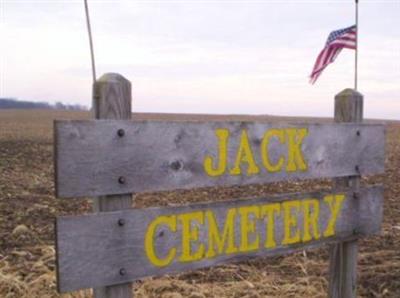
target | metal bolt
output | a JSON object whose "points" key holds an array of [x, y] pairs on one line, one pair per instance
{"points": [[178, 138], [176, 165], [121, 132], [122, 271], [121, 180], [358, 133], [121, 222]]}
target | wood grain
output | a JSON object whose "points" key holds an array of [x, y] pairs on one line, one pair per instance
{"points": [[112, 100], [150, 156], [343, 255], [92, 249]]}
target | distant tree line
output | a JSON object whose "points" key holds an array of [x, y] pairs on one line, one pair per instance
{"points": [[12, 103]]}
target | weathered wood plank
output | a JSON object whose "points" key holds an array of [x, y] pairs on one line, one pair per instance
{"points": [[93, 159], [117, 247], [343, 255], [112, 100]]}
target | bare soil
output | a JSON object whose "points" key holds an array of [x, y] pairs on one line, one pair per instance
{"points": [[28, 209]]}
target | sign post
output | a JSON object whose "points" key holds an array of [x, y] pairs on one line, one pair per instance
{"points": [[112, 100], [343, 258]]}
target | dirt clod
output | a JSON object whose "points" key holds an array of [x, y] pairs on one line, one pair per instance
{"points": [[20, 230], [196, 295]]}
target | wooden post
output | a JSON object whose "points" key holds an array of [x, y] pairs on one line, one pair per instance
{"points": [[343, 258], [112, 100]]}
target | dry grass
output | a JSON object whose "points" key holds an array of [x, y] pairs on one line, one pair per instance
{"points": [[28, 209]]}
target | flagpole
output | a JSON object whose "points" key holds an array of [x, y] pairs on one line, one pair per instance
{"points": [[356, 53], [90, 41]]}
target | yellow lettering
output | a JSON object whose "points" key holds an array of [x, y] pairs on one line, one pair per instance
{"points": [[268, 211], [290, 221], [214, 236], [248, 226], [280, 134], [295, 158], [190, 233], [310, 219], [222, 136], [169, 221], [335, 203], [244, 154]]}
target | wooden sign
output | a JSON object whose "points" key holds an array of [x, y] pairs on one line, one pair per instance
{"points": [[103, 157], [117, 247]]}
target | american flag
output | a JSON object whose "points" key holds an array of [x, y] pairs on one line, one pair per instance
{"points": [[337, 40]]}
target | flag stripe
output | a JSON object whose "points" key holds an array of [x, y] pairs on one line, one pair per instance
{"points": [[337, 40]]}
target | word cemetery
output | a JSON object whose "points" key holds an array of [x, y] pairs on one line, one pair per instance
{"points": [[111, 157]]}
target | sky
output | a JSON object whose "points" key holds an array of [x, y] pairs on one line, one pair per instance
{"points": [[215, 57]]}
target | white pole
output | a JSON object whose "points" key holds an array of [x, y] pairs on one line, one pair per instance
{"points": [[90, 41]]}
